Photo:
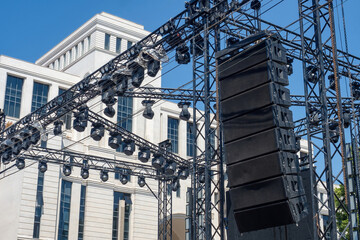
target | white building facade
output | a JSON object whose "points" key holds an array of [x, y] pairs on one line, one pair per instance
{"points": [[49, 205]]}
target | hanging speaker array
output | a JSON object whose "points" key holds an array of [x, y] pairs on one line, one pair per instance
{"points": [[266, 189]]}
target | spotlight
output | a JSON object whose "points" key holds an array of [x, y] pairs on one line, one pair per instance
{"points": [[26, 143], [84, 171], [42, 166], [124, 179], [175, 184], [20, 163], [197, 50], [57, 127], [183, 173], [97, 131], [314, 116], [144, 154], [141, 181], [129, 147], [105, 82], [6, 156], [255, 5], [166, 28], [184, 114], [17, 145], [158, 161], [289, 66], [346, 118], [114, 140], [182, 55], [334, 135], [35, 137], [170, 168], [331, 78], [25, 135], [104, 175], [231, 41], [67, 169], [81, 117], [137, 76], [84, 85], [109, 111], [333, 125], [311, 74], [355, 89], [108, 97], [121, 84], [148, 112], [153, 67]]}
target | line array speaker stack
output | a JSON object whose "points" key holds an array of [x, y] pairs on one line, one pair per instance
{"points": [[265, 186]]}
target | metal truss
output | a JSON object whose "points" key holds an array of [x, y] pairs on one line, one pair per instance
{"points": [[164, 211]]}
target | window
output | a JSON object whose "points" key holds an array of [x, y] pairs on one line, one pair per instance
{"points": [[38, 204], [118, 45], [129, 44], [89, 42], [124, 114], [107, 41], [173, 133], [13, 96], [64, 210], [122, 204], [67, 117], [82, 212], [189, 139], [40, 94], [57, 64]]}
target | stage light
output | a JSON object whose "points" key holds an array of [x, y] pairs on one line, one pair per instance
{"points": [[58, 127], [182, 55], [121, 84], [148, 112], [35, 137], [289, 66], [6, 156], [153, 67], [183, 173], [331, 78], [311, 74], [141, 181], [104, 175], [16, 145], [84, 85], [314, 115], [346, 118], [42, 166], [108, 97], [175, 184], [20, 163], [231, 41], [184, 114], [144, 154], [85, 171], [124, 178], [197, 50], [158, 161], [81, 117], [355, 89], [97, 131], [105, 82], [25, 135], [201, 175], [170, 168], [255, 5], [109, 111], [114, 140], [166, 28], [129, 147], [334, 135], [137, 76], [67, 169]]}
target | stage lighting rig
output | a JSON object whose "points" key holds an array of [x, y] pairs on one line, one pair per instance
{"points": [[255, 5], [331, 78], [20, 163], [201, 175], [109, 111], [158, 161], [124, 178], [58, 127], [170, 168], [148, 112], [175, 184], [137, 76], [144, 154], [97, 131], [166, 28], [184, 114], [289, 65], [197, 50], [114, 140], [153, 67], [346, 118], [67, 169], [315, 116], [6, 155], [231, 41], [121, 81], [81, 117], [42, 166], [129, 147], [355, 89], [85, 171], [84, 85], [183, 173], [312, 74], [16, 145], [104, 175], [141, 181], [182, 55]]}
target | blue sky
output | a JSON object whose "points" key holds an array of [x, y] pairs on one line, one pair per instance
{"points": [[31, 28]]}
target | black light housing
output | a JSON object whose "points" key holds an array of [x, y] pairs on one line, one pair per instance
{"points": [[129, 147], [81, 117], [109, 111], [166, 28], [148, 112], [84, 85], [97, 131], [17, 145], [331, 78], [144, 154], [26, 143], [314, 116], [124, 178], [114, 140], [58, 127], [6, 156], [121, 84], [67, 169], [42, 166], [170, 168], [108, 97], [184, 114], [312, 74], [289, 66], [153, 67], [182, 55], [85, 171], [141, 181], [20, 163], [137, 76], [183, 173], [346, 118], [104, 175], [355, 90], [175, 184], [201, 175], [106, 82], [158, 161], [255, 5], [231, 41]]}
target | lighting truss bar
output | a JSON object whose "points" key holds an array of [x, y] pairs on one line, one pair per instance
{"points": [[139, 141]]}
